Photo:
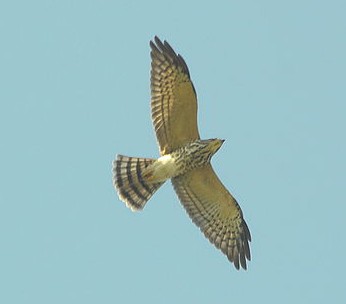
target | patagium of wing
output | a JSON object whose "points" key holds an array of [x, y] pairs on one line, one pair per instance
{"points": [[173, 98], [214, 210]]}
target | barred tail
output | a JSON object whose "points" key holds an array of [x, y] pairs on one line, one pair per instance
{"points": [[129, 182]]}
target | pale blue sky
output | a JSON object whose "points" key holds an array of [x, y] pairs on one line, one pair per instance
{"points": [[74, 91]]}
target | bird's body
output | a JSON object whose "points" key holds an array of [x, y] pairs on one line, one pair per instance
{"points": [[191, 156], [131, 175], [185, 159]]}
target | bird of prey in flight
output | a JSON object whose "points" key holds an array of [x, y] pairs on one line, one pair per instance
{"points": [[185, 159]]}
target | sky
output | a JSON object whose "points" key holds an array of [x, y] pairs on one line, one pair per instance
{"points": [[75, 91]]}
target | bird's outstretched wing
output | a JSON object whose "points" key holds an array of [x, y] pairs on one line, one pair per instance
{"points": [[214, 210], [173, 98]]}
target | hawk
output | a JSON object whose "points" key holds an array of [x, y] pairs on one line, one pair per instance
{"points": [[185, 159]]}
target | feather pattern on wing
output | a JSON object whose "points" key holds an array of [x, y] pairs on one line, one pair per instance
{"points": [[214, 210], [173, 98]]}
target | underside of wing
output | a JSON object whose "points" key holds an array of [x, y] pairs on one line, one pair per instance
{"points": [[214, 210], [173, 98]]}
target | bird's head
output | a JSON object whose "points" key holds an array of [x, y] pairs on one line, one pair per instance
{"points": [[203, 150], [215, 144]]}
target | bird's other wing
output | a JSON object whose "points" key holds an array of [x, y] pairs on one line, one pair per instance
{"points": [[214, 210], [173, 98]]}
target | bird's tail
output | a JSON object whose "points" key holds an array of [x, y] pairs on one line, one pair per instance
{"points": [[132, 186]]}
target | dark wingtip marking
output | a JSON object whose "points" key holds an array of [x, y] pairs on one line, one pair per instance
{"points": [[165, 49], [247, 250]]}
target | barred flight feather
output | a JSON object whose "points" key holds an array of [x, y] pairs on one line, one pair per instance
{"points": [[225, 228], [131, 186], [170, 78]]}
